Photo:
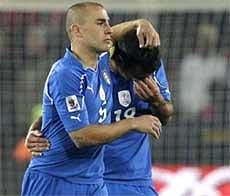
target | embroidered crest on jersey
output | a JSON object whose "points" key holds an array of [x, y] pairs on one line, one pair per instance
{"points": [[124, 98], [72, 103], [106, 77], [102, 93]]}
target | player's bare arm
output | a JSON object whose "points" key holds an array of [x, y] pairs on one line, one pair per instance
{"points": [[146, 33], [149, 91], [101, 134], [95, 134]]}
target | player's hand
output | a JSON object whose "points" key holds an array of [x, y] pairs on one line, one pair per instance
{"points": [[147, 35], [148, 90], [148, 124], [35, 143]]}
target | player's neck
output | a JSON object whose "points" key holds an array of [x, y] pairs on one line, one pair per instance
{"points": [[113, 66], [87, 57]]}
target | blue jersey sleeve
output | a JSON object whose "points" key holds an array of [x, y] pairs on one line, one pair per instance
{"points": [[161, 80], [66, 87]]}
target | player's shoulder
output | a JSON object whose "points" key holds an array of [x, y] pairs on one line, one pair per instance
{"points": [[63, 70]]}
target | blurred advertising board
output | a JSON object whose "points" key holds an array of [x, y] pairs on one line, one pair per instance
{"points": [[181, 180]]}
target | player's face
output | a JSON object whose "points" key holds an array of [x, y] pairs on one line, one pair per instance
{"points": [[96, 30]]}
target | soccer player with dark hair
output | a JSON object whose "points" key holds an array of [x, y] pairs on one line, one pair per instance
{"points": [[135, 71], [129, 56], [77, 102]]}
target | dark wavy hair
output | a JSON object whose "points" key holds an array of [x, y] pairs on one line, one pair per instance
{"points": [[135, 62]]}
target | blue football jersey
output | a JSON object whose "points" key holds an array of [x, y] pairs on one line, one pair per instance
{"points": [[128, 159], [73, 98]]}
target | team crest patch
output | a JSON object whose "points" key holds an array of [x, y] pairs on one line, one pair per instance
{"points": [[102, 93], [72, 103], [124, 98], [106, 77]]}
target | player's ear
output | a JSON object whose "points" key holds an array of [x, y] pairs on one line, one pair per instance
{"points": [[75, 30]]}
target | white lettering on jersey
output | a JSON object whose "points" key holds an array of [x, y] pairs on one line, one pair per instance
{"points": [[103, 115], [102, 110], [124, 114], [102, 93]]}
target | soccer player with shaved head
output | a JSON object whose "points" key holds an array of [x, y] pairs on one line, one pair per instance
{"points": [[77, 104]]}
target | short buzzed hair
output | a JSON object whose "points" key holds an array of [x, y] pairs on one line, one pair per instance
{"points": [[77, 14]]}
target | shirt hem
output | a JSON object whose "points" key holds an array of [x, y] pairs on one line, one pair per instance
{"points": [[133, 182], [70, 179]]}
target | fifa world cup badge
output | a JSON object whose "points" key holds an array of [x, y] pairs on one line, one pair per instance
{"points": [[72, 103]]}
